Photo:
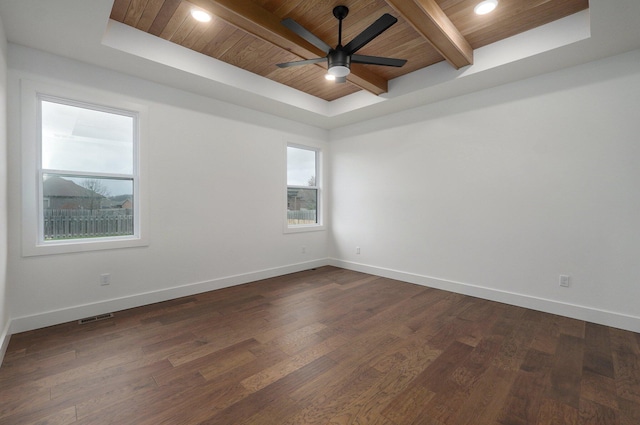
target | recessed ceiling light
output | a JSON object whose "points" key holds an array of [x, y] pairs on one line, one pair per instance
{"points": [[200, 15], [329, 77], [485, 7]]}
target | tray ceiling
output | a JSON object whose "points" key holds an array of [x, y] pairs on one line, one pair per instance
{"points": [[248, 34]]}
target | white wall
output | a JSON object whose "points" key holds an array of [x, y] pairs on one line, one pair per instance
{"points": [[4, 313], [497, 193], [217, 202], [492, 194]]}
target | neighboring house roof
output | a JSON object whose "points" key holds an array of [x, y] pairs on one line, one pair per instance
{"points": [[120, 198], [109, 203], [57, 186]]}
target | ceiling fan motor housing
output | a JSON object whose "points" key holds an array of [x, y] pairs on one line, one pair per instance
{"points": [[339, 58]]}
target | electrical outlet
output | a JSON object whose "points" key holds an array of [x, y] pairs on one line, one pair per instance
{"points": [[105, 279], [357, 250], [564, 280]]}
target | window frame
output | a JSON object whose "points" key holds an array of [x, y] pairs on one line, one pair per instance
{"points": [[319, 225], [32, 95]]}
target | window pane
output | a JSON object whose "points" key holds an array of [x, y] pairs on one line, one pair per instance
{"points": [[301, 167], [80, 207], [302, 206], [80, 139]]}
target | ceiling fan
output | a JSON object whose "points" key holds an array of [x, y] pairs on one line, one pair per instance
{"points": [[340, 58]]}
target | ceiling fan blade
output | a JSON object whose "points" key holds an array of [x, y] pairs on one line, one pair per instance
{"points": [[302, 62], [306, 34], [374, 30], [375, 60]]}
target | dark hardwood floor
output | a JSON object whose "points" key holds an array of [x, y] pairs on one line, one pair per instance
{"points": [[325, 346]]}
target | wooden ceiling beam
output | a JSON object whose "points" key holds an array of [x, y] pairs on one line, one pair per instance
{"points": [[426, 17], [252, 18]]}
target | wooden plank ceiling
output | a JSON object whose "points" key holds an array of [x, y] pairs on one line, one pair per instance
{"points": [[248, 33]]}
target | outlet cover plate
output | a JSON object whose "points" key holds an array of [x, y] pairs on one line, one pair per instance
{"points": [[564, 280]]}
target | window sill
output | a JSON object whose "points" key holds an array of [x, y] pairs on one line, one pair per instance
{"points": [[301, 228], [73, 246]]}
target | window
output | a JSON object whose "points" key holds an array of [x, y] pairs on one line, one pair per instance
{"points": [[87, 170], [86, 160], [303, 187]]}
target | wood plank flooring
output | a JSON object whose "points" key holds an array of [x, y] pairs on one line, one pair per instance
{"points": [[325, 346]]}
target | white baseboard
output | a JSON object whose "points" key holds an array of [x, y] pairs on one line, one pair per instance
{"points": [[4, 340], [589, 314], [49, 318], [26, 323]]}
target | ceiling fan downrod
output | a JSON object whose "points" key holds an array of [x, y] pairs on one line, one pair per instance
{"points": [[340, 12]]}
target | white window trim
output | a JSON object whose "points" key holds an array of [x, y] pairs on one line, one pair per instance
{"points": [[32, 202], [320, 225]]}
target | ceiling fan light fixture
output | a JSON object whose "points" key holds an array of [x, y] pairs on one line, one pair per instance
{"points": [[200, 15], [486, 6], [338, 71], [339, 58]]}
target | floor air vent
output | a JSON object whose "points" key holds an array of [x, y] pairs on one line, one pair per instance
{"points": [[95, 318]]}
